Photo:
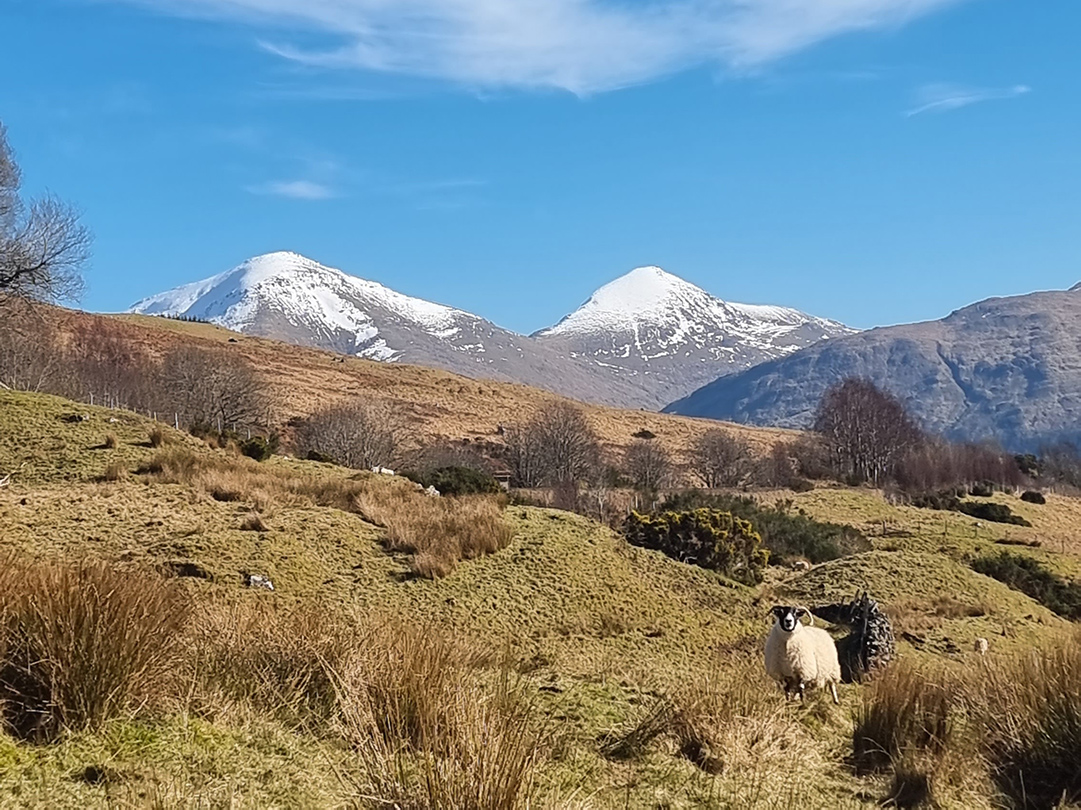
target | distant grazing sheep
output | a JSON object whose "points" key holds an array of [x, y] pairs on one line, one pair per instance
{"points": [[798, 656], [980, 646], [801, 565]]}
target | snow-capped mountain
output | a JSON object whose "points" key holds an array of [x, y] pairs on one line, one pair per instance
{"points": [[654, 325], [641, 341], [288, 297]]}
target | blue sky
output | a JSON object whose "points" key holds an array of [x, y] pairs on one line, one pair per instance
{"points": [[874, 161]]}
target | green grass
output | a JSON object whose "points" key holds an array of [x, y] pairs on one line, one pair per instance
{"points": [[600, 630]]}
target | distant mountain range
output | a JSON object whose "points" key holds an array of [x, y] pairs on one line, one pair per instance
{"points": [[641, 341], [1007, 369]]}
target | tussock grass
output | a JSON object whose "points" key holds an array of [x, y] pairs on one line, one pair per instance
{"points": [[905, 711], [115, 471], [429, 726], [110, 442], [731, 721], [253, 522], [157, 438], [443, 531], [82, 643], [438, 532], [1029, 709]]}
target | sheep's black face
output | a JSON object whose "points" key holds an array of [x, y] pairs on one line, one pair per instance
{"points": [[787, 617]]}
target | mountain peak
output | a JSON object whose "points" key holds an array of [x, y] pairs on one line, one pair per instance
{"points": [[642, 287]]}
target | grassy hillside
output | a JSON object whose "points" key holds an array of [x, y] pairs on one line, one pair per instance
{"points": [[626, 659], [439, 405]]}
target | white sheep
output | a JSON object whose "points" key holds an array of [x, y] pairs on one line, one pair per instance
{"points": [[798, 656], [980, 646]]}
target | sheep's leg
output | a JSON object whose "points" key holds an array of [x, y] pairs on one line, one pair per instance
{"points": [[801, 691], [833, 691]]}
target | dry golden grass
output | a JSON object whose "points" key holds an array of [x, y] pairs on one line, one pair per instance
{"points": [[82, 643], [158, 437], [734, 720], [110, 442], [437, 532]]}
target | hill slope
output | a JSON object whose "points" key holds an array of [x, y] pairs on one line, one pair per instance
{"points": [[438, 405], [1006, 368], [600, 634]]}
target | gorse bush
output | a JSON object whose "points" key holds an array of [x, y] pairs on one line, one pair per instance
{"points": [[455, 480], [709, 538], [993, 512], [259, 448], [949, 501], [1031, 496], [786, 534], [82, 643], [1027, 575], [984, 489]]}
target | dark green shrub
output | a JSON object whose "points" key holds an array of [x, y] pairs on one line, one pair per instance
{"points": [[457, 481], [993, 512], [788, 535], [984, 489], [259, 448], [322, 458], [645, 433], [709, 538], [1033, 497], [946, 501], [1025, 574]]}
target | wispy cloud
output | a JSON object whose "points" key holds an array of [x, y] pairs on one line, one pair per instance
{"points": [[583, 46], [938, 98], [295, 190]]}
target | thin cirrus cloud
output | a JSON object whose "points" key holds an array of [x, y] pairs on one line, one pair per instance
{"points": [[294, 190], [582, 46], [940, 98]]}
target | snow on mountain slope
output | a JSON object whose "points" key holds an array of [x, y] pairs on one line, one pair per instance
{"points": [[650, 323], [309, 297], [650, 298]]}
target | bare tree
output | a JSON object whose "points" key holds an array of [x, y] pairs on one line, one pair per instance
{"points": [[42, 243], [569, 450], [648, 464], [866, 431], [212, 387], [720, 459], [524, 456], [29, 351], [106, 365], [361, 434]]}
